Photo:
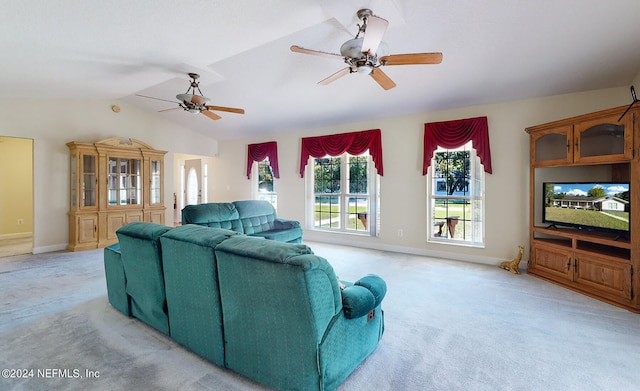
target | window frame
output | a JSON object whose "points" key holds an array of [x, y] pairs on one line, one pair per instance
{"points": [[474, 196], [372, 194]]}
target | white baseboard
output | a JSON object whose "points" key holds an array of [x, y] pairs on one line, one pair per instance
{"points": [[48, 249], [406, 250]]}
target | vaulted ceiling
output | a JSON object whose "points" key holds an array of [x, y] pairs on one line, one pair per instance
{"points": [[493, 51]]}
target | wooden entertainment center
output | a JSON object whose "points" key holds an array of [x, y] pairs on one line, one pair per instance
{"points": [[591, 147]]}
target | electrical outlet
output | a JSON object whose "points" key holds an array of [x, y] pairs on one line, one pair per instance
{"points": [[20, 221], [400, 233]]}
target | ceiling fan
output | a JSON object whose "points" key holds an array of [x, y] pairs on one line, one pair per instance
{"points": [[368, 53], [196, 103]]}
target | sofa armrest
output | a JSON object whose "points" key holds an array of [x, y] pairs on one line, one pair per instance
{"points": [[279, 223], [363, 296], [375, 285], [357, 301]]}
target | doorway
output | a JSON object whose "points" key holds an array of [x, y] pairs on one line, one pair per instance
{"points": [[16, 196], [193, 184]]}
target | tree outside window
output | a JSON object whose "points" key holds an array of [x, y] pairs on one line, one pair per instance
{"points": [[266, 183], [456, 192], [343, 188]]}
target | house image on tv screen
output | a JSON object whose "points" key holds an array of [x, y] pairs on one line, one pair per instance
{"points": [[604, 204]]}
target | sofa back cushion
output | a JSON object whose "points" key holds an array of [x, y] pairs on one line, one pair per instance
{"points": [[277, 301], [215, 215], [142, 263], [256, 216], [191, 280]]}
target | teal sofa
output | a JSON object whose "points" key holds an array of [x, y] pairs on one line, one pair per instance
{"points": [[250, 217], [270, 311]]}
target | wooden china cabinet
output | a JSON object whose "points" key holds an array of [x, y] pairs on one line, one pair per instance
{"points": [[113, 182], [588, 148]]}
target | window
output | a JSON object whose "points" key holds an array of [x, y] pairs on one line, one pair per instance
{"points": [[345, 194], [264, 183], [456, 197]]}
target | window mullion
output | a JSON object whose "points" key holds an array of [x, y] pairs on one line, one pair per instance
{"points": [[344, 192]]}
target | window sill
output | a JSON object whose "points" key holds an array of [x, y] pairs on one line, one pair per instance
{"points": [[351, 233], [453, 242]]}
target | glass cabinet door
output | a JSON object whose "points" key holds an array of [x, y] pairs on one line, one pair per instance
{"points": [[74, 181], [89, 181], [602, 139], [552, 146], [125, 186], [156, 177]]}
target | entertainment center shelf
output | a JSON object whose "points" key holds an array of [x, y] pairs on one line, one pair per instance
{"points": [[578, 235], [596, 148]]}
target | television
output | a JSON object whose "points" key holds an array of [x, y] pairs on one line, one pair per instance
{"points": [[594, 206]]}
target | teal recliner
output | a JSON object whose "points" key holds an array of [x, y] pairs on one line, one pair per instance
{"points": [[286, 322]]}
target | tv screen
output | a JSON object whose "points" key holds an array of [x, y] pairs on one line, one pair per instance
{"points": [[587, 205]]}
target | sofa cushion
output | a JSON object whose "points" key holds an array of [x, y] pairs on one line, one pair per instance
{"points": [[256, 216], [215, 215], [292, 235], [253, 247]]}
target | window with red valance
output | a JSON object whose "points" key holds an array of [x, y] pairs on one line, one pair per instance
{"points": [[259, 152], [454, 134], [354, 143]]}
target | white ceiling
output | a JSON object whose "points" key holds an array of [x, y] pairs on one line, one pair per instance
{"points": [[493, 51]]}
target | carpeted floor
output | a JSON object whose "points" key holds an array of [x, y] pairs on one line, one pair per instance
{"points": [[448, 326]]}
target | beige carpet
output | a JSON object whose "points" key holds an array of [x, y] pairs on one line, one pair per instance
{"points": [[449, 326]]}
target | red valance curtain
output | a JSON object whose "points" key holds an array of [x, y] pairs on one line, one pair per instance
{"points": [[454, 134], [354, 143], [258, 152]]}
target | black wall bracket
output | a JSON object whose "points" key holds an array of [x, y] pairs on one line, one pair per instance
{"points": [[635, 100]]}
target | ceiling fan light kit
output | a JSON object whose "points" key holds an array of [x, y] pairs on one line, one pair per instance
{"points": [[368, 53], [197, 103]]}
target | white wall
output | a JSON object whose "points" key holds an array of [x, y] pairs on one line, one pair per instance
{"points": [[636, 83], [53, 123], [403, 188]]}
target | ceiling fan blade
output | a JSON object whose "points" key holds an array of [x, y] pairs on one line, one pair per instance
{"points": [[412, 59], [299, 49], [335, 76], [151, 97], [382, 79], [229, 109], [373, 34], [210, 114], [174, 108]]}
